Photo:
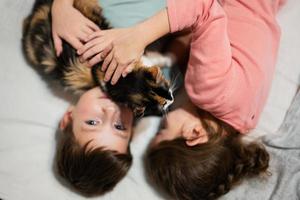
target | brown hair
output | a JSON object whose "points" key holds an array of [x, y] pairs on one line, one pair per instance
{"points": [[208, 170], [90, 172]]}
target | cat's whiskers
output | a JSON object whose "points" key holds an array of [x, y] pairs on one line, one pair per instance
{"points": [[174, 84], [164, 112]]}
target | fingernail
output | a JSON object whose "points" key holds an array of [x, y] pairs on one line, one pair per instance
{"points": [[124, 74]]}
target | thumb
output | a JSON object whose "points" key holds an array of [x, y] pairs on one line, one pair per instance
{"points": [[57, 44]]}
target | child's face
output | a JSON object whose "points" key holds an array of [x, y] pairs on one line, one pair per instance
{"points": [[183, 123], [98, 119]]}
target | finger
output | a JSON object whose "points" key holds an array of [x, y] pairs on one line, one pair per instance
{"points": [[111, 69], [128, 69], [117, 74], [87, 46], [94, 35], [96, 59], [57, 44], [107, 61], [92, 51], [75, 43], [82, 36], [107, 50], [92, 25], [87, 30]]}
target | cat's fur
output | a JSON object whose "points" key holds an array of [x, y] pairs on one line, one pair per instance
{"points": [[144, 88]]}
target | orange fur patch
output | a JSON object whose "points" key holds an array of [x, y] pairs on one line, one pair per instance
{"points": [[79, 77], [88, 8]]}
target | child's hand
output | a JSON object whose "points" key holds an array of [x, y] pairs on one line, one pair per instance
{"points": [[120, 48], [96, 43], [69, 24], [122, 56]]}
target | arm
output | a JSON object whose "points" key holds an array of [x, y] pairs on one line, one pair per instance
{"points": [[198, 15], [209, 72], [127, 45], [69, 24], [232, 56]]}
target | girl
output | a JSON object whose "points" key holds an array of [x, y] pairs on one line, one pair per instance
{"points": [[232, 60]]}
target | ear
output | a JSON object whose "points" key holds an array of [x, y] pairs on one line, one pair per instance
{"points": [[156, 72], [196, 135], [66, 119]]}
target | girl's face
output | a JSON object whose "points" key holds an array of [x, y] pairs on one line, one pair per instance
{"points": [[98, 120], [182, 122]]}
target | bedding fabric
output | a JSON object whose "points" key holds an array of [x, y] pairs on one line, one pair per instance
{"points": [[284, 149], [30, 112]]}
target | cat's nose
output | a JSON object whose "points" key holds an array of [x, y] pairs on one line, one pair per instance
{"points": [[167, 104]]}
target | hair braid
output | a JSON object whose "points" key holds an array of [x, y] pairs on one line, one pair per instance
{"points": [[250, 159]]}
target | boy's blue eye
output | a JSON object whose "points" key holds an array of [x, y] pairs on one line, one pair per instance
{"points": [[91, 122], [120, 127]]}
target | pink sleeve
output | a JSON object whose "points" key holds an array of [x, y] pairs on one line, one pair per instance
{"points": [[209, 73], [187, 13], [232, 57]]}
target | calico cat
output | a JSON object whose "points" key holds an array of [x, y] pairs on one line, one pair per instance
{"points": [[143, 89]]}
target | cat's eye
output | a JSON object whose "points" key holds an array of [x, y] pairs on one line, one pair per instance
{"points": [[91, 122], [120, 126]]}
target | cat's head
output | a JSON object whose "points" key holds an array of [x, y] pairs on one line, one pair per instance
{"points": [[145, 88]]}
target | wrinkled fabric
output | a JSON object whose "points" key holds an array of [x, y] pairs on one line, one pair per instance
{"points": [[284, 149], [233, 54]]}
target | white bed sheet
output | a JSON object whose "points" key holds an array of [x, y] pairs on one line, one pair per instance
{"points": [[30, 111]]}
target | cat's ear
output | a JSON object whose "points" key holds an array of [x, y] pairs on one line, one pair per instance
{"points": [[156, 72], [139, 111], [66, 119]]}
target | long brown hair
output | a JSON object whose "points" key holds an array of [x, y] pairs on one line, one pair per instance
{"points": [[208, 170], [90, 172]]}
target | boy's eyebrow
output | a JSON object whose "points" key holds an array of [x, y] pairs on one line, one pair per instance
{"points": [[84, 129], [125, 137]]}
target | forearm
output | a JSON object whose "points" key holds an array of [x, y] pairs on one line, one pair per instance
{"points": [[69, 2], [153, 28], [58, 4]]}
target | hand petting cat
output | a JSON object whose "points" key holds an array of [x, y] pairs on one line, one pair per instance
{"points": [[70, 25], [119, 49]]}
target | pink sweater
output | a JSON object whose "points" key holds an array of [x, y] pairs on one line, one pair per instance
{"points": [[233, 53]]}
